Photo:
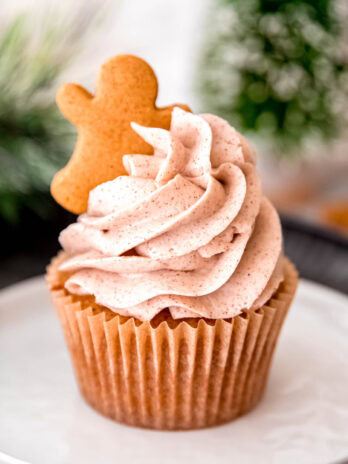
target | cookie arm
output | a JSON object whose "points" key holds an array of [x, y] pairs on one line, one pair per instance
{"points": [[164, 115], [74, 102]]}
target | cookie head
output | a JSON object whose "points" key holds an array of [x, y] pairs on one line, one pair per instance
{"points": [[129, 80]]}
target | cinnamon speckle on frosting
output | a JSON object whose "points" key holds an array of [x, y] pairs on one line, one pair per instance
{"points": [[188, 229]]}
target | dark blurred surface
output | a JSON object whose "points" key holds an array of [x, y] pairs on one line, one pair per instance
{"points": [[319, 254], [26, 248]]}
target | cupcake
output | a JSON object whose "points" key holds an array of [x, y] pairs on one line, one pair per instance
{"points": [[172, 287]]}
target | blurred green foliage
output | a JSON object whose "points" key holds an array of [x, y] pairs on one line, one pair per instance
{"points": [[277, 68], [35, 139]]}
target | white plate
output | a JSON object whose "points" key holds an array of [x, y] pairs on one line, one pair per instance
{"points": [[302, 419]]}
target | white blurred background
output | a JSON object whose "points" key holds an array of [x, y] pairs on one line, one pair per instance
{"points": [[168, 34]]}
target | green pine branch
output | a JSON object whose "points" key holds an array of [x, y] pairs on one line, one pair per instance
{"points": [[35, 139], [273, 67]]}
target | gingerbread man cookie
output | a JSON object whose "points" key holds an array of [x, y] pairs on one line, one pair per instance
{"points": [[126, 91]]}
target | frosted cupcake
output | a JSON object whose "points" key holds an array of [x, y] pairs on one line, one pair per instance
{"points": [[172, 288]]}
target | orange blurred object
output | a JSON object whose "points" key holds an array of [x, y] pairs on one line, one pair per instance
{"points": [[335, 214]]}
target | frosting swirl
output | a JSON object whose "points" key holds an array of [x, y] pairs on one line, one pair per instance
{"points": [[188, 229]]}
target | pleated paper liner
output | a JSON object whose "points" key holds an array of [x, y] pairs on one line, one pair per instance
{"points": [[168, 374]]}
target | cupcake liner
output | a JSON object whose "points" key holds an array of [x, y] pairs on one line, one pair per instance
{"points": [[170, 374]]}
